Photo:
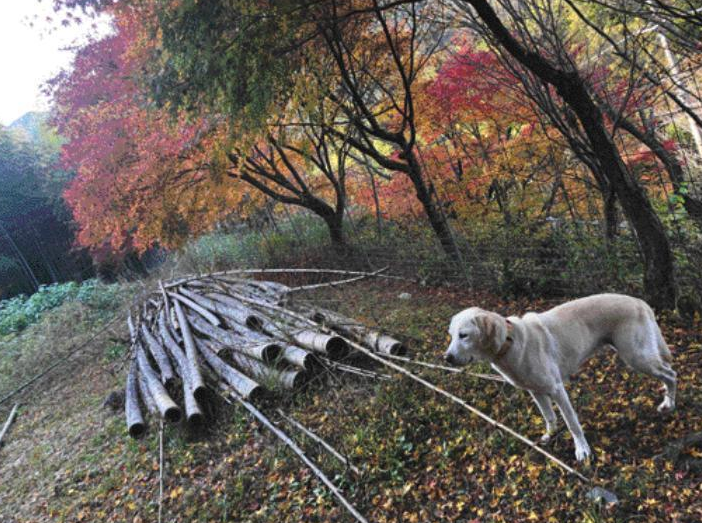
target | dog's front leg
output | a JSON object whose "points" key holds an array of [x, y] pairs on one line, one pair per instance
{"points": [[544, 403], [560, 396]]}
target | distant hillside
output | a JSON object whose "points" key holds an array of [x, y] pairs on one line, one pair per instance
{"points": [[30, 125]]}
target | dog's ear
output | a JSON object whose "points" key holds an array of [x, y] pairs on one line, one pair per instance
{"points": [[493, 328]]}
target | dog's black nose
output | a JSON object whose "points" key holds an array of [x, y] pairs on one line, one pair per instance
{"points": [[449, 359]]}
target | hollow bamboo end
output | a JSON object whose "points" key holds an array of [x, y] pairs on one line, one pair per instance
{"points": [[398, 349], [173, 414], [256, 393], [201, 394], [254, 323], [137, 430], [271, 352], [336, 348]]}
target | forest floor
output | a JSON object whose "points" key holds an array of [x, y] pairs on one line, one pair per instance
{"points": [[421, 458]]}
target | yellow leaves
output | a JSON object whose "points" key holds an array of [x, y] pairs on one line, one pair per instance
{"points": [[176, 493]]}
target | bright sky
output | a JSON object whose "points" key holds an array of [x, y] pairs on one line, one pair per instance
{"points": [[31, 55]]}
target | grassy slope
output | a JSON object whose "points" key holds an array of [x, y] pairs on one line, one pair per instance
{"points": [[422, 459]]}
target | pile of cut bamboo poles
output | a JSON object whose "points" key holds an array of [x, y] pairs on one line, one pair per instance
{"points": [[222, 333]]}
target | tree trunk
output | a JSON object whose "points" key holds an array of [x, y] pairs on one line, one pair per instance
{"points": [[659, 278], [436, 218]]}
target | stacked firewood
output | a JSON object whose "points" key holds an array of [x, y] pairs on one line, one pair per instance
{"points": [[237, 336]]}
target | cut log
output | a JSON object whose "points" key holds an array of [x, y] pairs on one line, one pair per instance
{"points": [[227, 308], [166, 406], [159, 353], [264, 351], [135, 420], [242, 384], [189, 371]]}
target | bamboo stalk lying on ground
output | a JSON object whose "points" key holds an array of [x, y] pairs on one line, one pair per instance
{"points": [[135, 420], [166, 406], [159, 354], [242, 384], [10, 419]]}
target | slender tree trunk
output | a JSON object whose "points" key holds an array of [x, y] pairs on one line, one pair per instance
{"points": [[436, 218], [659, 277]]}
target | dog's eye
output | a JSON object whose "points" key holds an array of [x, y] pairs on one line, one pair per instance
{"points": [[462, 335]]}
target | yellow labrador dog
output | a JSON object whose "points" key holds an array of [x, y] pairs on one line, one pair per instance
{"points": [[539, 352]]}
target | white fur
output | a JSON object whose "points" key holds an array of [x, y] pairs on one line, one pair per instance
{"points": [[544, 349]]}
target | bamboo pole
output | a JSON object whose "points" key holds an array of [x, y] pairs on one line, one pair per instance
{"points": [[244, 386], [196, 382], [299, 426], [146, 398], [301, 454], [336, 283], [489, 377], [160, 356], [381, 343], [261, 350], [188, 372], [235, 311], [442, 392], [214, 320], [132, 412], [10, 420], [192, 277], [166, 406]]}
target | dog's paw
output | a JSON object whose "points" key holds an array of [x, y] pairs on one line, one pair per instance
{"points": [[582, 451], [545, 439], [666, 406]]}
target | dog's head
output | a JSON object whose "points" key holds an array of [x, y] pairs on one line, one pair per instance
{"points": [[476, 335]]}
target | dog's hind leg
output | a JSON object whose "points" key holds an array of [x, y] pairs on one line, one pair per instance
{"points": [[560, 396], [544, 403], [662, 371], [651, 358]]}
